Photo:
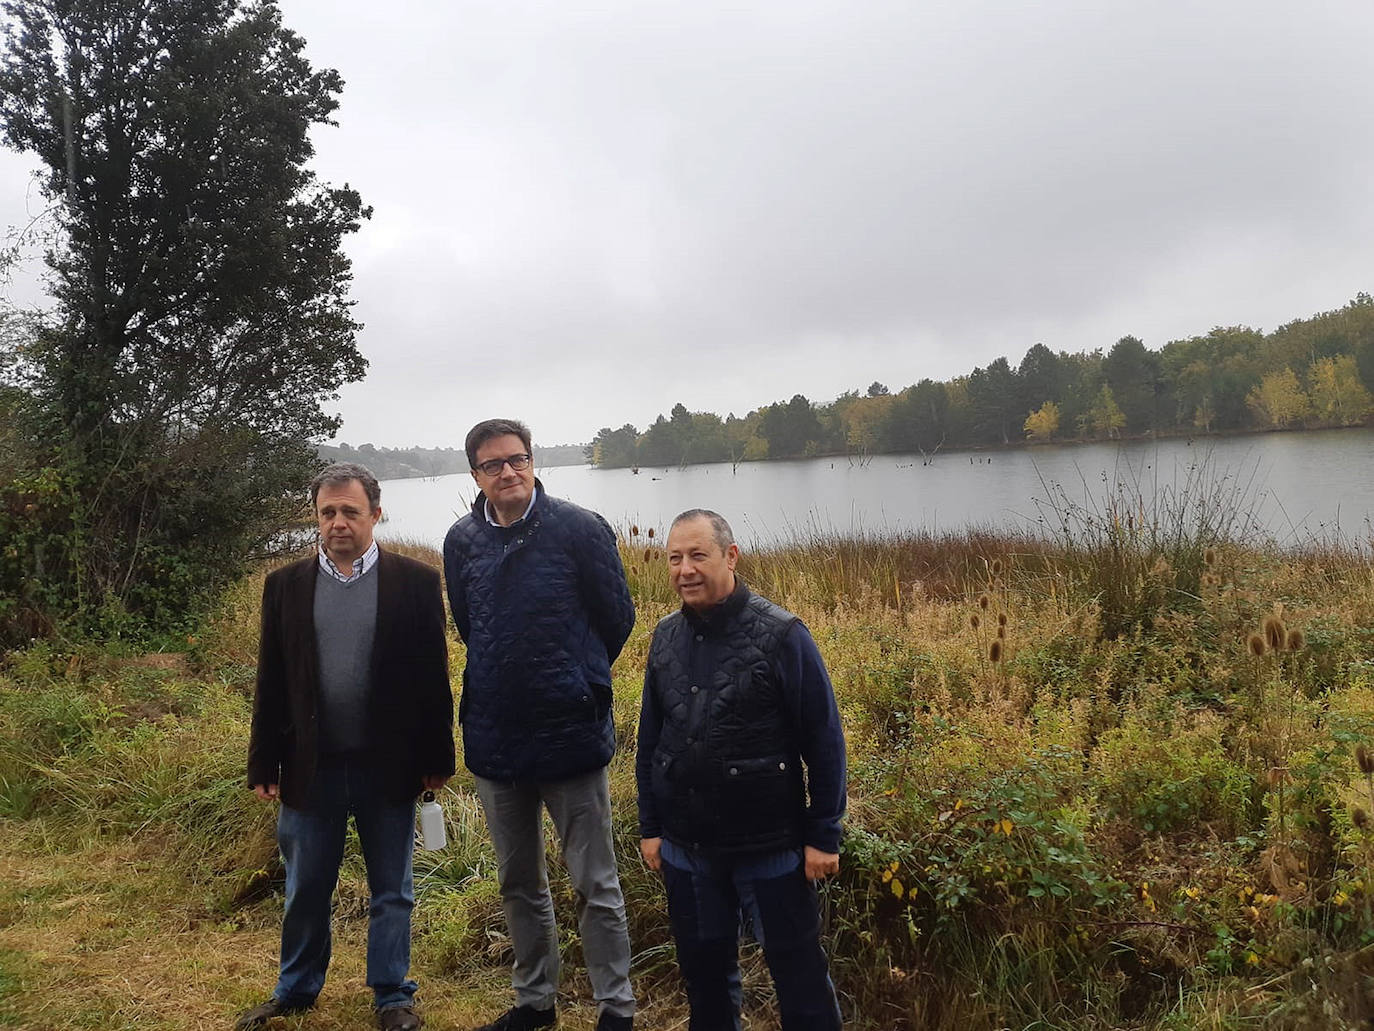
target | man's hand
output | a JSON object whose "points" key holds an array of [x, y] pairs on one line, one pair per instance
{"points": [[434, 781], [266, 792], [651, 850], [819, 865]]}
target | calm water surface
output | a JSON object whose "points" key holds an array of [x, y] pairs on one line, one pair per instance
{"points": [[1295, 486]]}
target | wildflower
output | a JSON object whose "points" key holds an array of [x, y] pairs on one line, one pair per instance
{"points": [[1252, 959], [1256, 643], [1340, 898], [1364, 759]]}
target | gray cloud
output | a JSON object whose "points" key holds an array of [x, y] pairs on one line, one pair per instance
{"points": [[586, 213]]}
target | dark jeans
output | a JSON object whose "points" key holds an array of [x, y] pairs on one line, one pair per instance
{"points": [[705, 901], [311, 840]]}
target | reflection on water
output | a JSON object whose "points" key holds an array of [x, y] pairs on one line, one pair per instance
{"points": [[1294, 486]]}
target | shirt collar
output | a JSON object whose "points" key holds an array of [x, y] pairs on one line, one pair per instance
{"points": [[491, 516], [360, 565]]}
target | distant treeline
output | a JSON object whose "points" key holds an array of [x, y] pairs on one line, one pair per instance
{"points": [[1313, 372], [401, 463]]}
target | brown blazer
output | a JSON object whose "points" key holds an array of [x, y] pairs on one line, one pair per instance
{"points": [[411, 706]]}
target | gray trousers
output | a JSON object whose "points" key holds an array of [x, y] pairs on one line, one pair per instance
{"points": [[581, 810]]}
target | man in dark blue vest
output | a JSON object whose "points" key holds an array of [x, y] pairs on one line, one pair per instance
{"points": [[353, 714], [738, 726], [538, 592]]}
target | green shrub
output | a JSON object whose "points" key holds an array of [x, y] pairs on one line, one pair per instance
{"points": [[1164, 778]]}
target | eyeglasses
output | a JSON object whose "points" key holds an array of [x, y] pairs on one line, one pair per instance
{"points": [[492, 467]]}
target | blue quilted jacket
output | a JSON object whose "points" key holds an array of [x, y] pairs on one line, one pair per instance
{"points": [[544, 609]]}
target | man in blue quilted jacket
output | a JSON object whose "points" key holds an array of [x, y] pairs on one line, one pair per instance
{"points": [[538, 593]]}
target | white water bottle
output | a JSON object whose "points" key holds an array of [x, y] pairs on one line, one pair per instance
{"points": [[432, 833]]}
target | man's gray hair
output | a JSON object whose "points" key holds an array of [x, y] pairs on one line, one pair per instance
{"points": [[719, 527], [340, 474]]}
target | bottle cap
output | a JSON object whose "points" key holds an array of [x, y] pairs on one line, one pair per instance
{"points": [[428, 796]]}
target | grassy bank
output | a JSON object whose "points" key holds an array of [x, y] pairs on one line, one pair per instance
{"points": [[1104, 780]]}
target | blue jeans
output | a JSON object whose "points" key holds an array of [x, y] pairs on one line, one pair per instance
{"points": [[706, 898], [311, 840]]}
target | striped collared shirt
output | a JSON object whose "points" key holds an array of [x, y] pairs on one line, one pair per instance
{"points": [[360, 565]]}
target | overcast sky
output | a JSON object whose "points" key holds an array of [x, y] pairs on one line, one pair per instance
{"points": [[585, 213]]}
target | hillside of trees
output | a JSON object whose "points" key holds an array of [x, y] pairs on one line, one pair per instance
{"points": [[1309, 373], [401, 463]]}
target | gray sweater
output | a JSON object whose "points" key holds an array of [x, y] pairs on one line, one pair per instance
{"points": [[345, 625]]}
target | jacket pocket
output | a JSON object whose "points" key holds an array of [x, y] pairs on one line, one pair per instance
{"points": [[754, 791], [601, 699]]}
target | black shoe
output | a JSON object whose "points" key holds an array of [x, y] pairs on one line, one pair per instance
{"points": [[258, 1016], [522, 1018], [614, 1022], [398, 1018]]}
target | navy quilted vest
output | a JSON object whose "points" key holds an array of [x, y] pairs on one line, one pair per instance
{"points": [[726, 774]]}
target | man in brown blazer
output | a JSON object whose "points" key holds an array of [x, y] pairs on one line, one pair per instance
{"points": [[353, 714]]}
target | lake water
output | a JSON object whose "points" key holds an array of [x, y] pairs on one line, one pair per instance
{"points": [[1294, 486]]}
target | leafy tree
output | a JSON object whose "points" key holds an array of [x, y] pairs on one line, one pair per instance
{"points": [[1043, 423], [790, 427], [1279, 399], [1132, 371], [876, 389], [614, 449], [996, 402], [1338, 396], [1105, 418], [200, 297], [1042, 376]]}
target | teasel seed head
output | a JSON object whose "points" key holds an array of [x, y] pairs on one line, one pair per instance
{"points": [[1296, 639], [1256, 644], [1275, 633], [1360, 818], [648, 553], [995, 652], [1209, 556], [651, 533], [1364, 759], [997, 567], [974, 620], [634, 530], [1001, 619], [1001, 633], [984, 601]]}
